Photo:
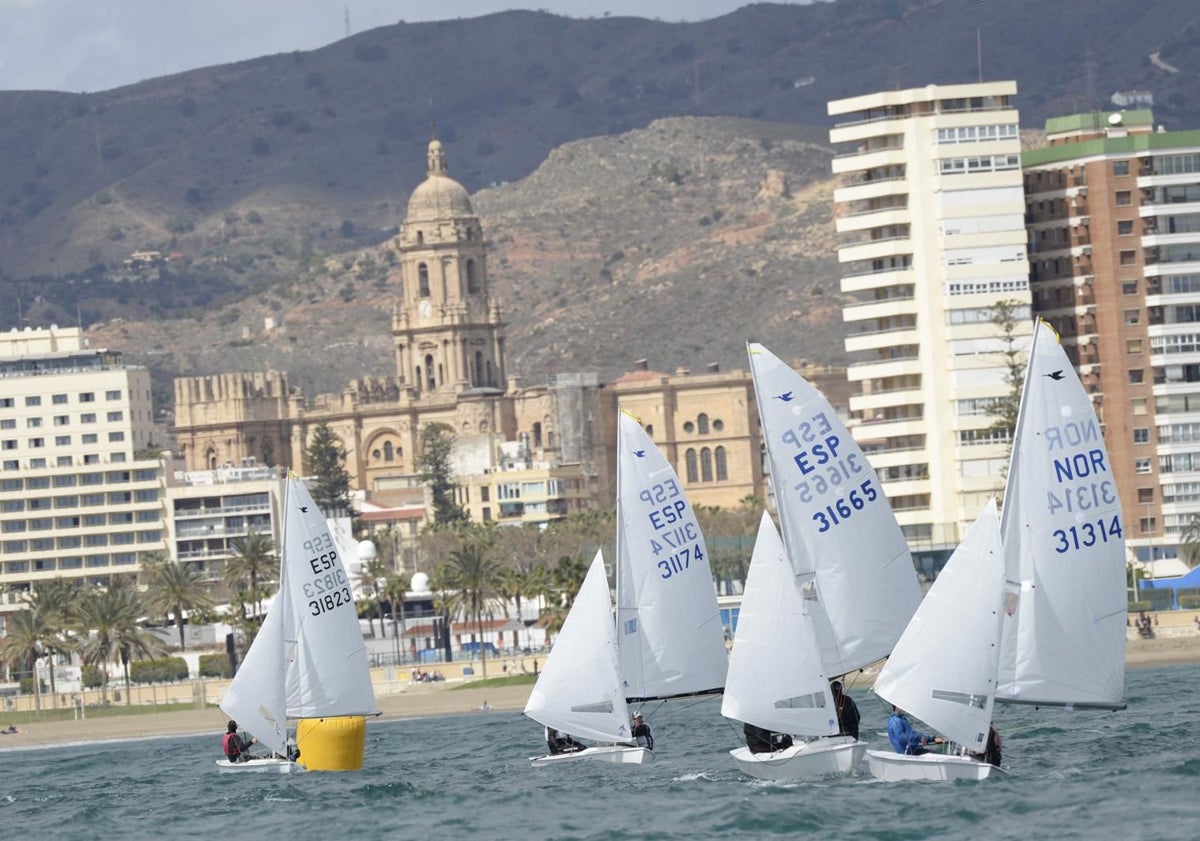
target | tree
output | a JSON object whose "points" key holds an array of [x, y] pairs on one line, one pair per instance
{"points": [[107, 622], [325, 461], [472, 578], [1189, 542], [252, 566], [56, 600], [173, 587], [437, 443], [1005, 316], [395, 587], [26, 640]]}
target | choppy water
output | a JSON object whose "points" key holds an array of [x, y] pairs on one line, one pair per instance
{"points": [[1095, 775]]}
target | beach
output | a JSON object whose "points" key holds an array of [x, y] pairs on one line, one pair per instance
{"points": [[422, 700]]}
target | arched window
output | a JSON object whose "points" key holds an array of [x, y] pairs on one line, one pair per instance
{"points": [[649, 431], [537, 435], [420, 237], [702, 424], [479, 380], [472, 278], [491, 379], [389, 453], [690, 459], [430, 382], [423, 279], [706, 465], [722, 467]]}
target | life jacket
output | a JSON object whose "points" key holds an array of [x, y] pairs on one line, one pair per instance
{"points": [[230, 744]]}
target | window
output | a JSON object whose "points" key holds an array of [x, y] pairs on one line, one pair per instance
{"points": [[1136, 375], [115, 416], [1120, 167], [87, 397], [8, 423], [33, 401], [1139, 405], [706, 470], [1147, 525], [90, 438], [1145, 495], [62, 420], [1142, 465], [9, 444], [423, 279], [1132, 316], [692, 472], [1128, 258], [114, 394], [1124, 198], [37, 442], [62, 461], [33, 423], [1133, 347], [1141, 435], [702, 424], [116, 436], [11, 465], [1124, 227], [722, 466], [87, 417], [1129, 287], [62, 440]]}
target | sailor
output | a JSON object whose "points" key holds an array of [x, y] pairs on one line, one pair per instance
{"points": [[561, 742], [641, 732], [236, 747], [904, 738], [847, 711]]}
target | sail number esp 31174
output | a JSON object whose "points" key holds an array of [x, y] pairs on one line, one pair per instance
{"points": [[674, 530]]}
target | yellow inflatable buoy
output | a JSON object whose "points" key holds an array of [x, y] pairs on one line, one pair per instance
{"points": [[332, 744]]}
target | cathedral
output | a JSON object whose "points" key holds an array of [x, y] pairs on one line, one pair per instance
{"points": [[449, 345]]}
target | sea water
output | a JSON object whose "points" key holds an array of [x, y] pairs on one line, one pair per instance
{"points": [[1133, 774]]}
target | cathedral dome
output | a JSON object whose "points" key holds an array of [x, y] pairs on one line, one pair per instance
{"points": [[439, 196]]}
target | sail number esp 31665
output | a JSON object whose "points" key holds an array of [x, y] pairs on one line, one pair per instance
{"points": [[675, 531], [818, 455]]}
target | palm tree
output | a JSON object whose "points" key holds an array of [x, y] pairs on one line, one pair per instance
{"points": [[26, 640], [56, 600], [395, 586], [107, 619], [173, 587], [1189, 542], [254, 564], [472, 576]]}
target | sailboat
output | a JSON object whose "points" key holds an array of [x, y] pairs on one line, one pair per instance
{"points": [[668, 639], [944, 668], [669, 634], [848, 558], [580, 689], [308, 660], [776, 680], [1064, 546]]}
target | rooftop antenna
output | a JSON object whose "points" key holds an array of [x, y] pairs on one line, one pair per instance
{"points": [[979, 51], [432, 121], [347, 19]]}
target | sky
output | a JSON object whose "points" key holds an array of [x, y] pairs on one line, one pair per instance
{"points": [[94, 45]]}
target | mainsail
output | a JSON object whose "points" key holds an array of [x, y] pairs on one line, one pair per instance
{"points": [[579, 691], [1064, 546], [845, 546], [669, 630]]}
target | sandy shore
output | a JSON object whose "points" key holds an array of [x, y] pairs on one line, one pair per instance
{"points": [[422, 700]]}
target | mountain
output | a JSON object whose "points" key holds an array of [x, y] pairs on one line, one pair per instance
{"points": [[269, 177]]}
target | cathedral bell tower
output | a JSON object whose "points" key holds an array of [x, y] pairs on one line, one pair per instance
{"points": [[447, 329]]}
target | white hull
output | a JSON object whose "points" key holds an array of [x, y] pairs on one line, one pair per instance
{"points": [[895, 767], [815, 758], [617, 754], [265, 765]]}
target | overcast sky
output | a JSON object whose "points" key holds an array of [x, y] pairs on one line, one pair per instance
{"points": [[93, 45]]}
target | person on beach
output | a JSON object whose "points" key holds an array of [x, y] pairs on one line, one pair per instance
{"points": [[904, 738], [561, 743], [847, 711], [641, 732], [236, 747]]}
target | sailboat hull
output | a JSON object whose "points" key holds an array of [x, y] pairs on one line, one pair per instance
{"points": [[935, 767], [266, 765], [815, 758], [616, 754]]}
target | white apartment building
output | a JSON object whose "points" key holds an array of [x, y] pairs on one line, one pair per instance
{"points": [[930, 217], [81, 496]]}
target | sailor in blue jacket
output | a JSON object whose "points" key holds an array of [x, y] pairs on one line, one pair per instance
{"points": [[904, 739]]}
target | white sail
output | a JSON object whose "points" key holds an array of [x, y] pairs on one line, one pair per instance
{"points": [[775, 679], [256, 696], [329, 674], [1064, 545], [670, 636], [842, 538], [943, 669], [579, 691]]}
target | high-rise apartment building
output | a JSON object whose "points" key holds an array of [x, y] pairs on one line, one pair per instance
{"points": [[82, 491], [1113, 207], [930, 218]]}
